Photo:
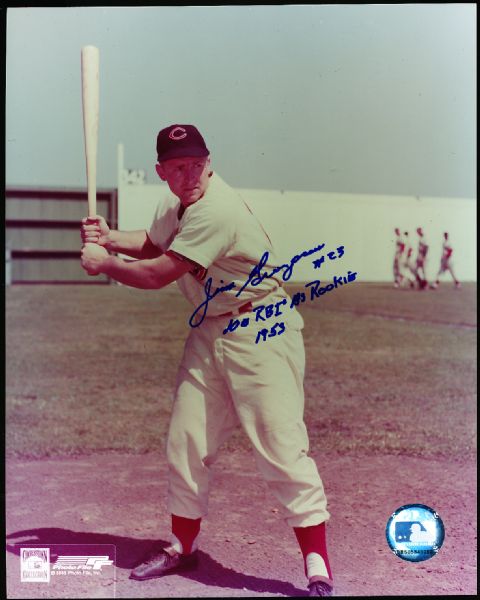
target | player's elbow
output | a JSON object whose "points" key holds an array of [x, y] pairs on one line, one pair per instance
{"points": [[149, 250], [162, 271], [160, 275]]}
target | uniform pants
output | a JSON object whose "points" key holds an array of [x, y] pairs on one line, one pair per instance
{"points": [[224, 380], [397, 272]]}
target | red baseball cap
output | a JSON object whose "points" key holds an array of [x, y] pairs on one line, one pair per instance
{"points": [[178, 141]]}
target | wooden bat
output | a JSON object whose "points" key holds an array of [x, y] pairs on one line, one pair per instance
{"points": [[90, 98]]}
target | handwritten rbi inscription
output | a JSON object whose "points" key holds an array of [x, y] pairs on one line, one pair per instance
{"points": [[265, 312]]}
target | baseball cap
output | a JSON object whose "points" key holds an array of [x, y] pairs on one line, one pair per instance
{"points": [[177, 141]]}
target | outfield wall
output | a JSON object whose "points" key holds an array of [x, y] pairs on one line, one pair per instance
{"points": [[363, 224]]}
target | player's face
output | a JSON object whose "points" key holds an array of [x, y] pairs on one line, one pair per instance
{"points": [[187, 177]]}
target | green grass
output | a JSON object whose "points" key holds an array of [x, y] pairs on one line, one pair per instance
{"points": [[91, 369]]}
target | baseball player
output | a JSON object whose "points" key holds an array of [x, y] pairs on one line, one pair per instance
{"points": [[408, 268], [446, 262], [205, 237], [421, 260], [397, 261]]}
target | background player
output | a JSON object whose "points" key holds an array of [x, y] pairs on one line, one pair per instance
{"points": [[397, 260], [421, 260], [204, 236], [409, 276], [446, 262]]}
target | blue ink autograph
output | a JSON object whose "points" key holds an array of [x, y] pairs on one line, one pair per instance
{"points": [[204, 304], [331, 255], [264, 312], [255, 278]]}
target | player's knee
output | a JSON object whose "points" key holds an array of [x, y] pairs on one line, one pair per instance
{"points": [[178, 445], [286, 444]]}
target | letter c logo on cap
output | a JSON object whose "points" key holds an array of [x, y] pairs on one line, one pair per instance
{"points": [[177, 133]]}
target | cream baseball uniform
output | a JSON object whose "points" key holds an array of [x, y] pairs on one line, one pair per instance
{"points": [[446, 264], [445, 261], [226, 379], [408, 266], [397, 266], [421, 254]]}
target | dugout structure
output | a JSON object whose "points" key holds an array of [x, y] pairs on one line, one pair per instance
{"points": [[42, 233]]}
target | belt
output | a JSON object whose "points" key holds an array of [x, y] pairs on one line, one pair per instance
{"points": [[248, 306], [243, 309]]}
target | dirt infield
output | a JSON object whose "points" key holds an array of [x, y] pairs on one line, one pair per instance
{"points": [[246, 549], [390, 409]]}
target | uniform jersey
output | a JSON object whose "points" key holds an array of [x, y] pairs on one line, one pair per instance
{"points": [[445, 261], [399, 247], [408, 255], [422, 249], [447, 250], [224, 241]]}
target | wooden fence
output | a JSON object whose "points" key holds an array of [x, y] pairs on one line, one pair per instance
{"points": [[42, 233]]}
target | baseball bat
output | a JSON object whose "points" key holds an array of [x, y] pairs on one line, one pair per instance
{"points": [[90, 101]]}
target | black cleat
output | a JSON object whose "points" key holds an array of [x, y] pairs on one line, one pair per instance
{"points": [[320, 588], [163, 562]]}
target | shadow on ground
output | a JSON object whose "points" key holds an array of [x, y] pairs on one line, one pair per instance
{"points": [[131, 551]]}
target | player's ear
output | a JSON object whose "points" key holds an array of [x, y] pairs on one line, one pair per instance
{"points": [[210, 172], [160, 171]]}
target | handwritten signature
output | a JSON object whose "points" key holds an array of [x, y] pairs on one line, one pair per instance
{"points": [[255, 278]]}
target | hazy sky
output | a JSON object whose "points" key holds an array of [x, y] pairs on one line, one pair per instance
{"points": [[374, 99]]}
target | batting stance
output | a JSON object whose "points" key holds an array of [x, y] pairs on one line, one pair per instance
{"points": [[205, 237], [446, 262]]}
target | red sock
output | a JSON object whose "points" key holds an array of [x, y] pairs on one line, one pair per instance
{"points": [[313, 539], [185, 530]]}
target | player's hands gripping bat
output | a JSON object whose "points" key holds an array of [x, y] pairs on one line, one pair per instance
{"points": [[95, 230], [92, 257], [90, 103]]}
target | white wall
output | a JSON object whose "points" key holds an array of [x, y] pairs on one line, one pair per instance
{"points": [[364, 224]]}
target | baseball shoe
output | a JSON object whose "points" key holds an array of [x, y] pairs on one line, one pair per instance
{"points": [[162, 562], [320, 588], [458, 285]]}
